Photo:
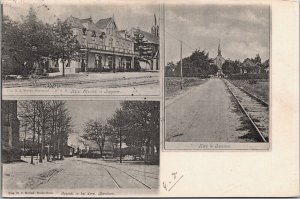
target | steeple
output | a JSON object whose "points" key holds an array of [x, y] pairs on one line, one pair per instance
{"points": [[155, 27], [219, 50]]}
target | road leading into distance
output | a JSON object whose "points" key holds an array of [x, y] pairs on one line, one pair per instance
{"points": [[207, 113]]}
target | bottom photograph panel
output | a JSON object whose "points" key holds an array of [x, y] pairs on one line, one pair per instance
{"points": [[53, 146]]}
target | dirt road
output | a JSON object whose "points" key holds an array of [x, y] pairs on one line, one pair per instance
{"points": [[206, 113]]}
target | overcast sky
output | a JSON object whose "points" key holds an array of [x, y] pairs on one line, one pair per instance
{"points": [[82, 111], [126, 16], [242, 30]]}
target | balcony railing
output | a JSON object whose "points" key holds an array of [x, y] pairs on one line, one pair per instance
{"points": [[108, 48]]}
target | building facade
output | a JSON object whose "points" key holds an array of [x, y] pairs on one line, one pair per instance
{"points": [[10, 132], [103, 47], [219, 61]]}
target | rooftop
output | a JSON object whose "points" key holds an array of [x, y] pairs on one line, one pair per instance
{"points": [[149, 36]]}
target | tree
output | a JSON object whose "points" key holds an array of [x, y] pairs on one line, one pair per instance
{"points": [[11, 45], [198, 64], [50, 122], [28, 114], [231, 67], [140, 126], [37, 39], [257, 60], [170, 69], [147, 51], [96, 130], [26, 44], [67, 47]]}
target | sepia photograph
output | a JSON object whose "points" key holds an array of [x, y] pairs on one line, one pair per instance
{"points": [[68, 47], [217, 81], [54, 146]]}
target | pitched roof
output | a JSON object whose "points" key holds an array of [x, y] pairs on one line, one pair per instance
{"points": [[149, 36], [249, 64], [87, 20], [102, 23], [75, 22], [94, 147], [92, 26], [83, 23]]}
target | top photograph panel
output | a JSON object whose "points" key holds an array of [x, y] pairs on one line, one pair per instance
{"points": [[80, 49]]}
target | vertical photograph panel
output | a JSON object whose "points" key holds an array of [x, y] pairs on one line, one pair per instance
{"points": [[217, 81]]}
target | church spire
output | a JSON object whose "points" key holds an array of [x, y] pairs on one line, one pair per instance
{"points": [[219, 50]]}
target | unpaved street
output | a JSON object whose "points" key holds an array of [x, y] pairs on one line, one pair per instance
{"points": [[205, 113], [81, 173]]}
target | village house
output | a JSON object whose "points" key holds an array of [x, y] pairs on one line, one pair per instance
{"points": [[103, 47], [92, 150], [249, 67]]}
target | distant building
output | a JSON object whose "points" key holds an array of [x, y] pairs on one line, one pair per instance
{"points": [[92, 149], [219, 61], [68, 151], [103, 47], [249, 67], [10, 132]]}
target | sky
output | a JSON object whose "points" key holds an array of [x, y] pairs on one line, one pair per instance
{"points": [[82, 111], [126, 16], [243, 30]]}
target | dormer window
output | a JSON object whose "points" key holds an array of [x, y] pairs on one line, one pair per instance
{"points": [[101, 36], [84, 31], [93, 33]]}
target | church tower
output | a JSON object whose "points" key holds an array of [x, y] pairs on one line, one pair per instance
{"points": [[219, 50], [219, 60], [155, 27]]}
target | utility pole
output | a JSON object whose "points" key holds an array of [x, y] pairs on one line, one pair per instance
{"points": [[120, 144], [181, 80]]}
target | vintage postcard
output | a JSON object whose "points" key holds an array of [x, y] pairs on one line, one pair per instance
{"points": [[163, 98], [217, 77]]}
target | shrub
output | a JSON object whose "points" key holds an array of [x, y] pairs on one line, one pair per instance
{"points": [[53, 70], [252, 81], [248, 76]]}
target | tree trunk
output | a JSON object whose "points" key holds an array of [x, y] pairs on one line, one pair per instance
{"points": [[43, 134], [38, 144], [147, 151], [100, 149], [33, 137], [63, 68]]}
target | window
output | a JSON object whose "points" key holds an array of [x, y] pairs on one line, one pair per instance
{"points": [[84, 41], [84, 31], [93, 33], [56, 64], [68, 63], [110, 42], [110, 61]]}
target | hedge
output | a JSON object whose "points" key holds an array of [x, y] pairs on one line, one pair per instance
{"points": [[248, 76]]}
